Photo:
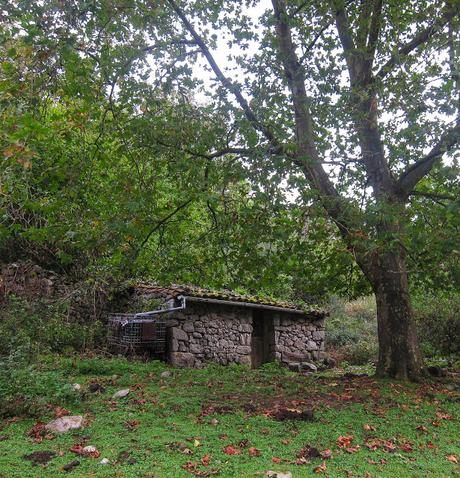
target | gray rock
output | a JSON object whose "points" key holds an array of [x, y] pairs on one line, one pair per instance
{"points": [[278, 474], [319, 335], [121, 393], [166, 374], [64, 424], [188, 326], [179, 334], [308, 367], [311, 345]]}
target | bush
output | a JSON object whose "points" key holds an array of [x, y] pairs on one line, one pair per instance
{"points": [[26, 389], [438, 322], [44, 326], [351, 330]]}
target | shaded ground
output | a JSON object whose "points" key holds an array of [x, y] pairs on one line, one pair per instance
{"points": [[233, 422]]}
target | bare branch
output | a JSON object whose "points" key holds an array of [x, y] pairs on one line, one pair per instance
{"points": [[419, 39], [414, 173]]}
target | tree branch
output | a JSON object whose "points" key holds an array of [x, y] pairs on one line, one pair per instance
{"points": [[226, 82], [434, 196], [421, 37], [345, 35], [414, 173], [161, 222]]}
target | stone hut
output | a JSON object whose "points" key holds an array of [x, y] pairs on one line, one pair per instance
{"points": [[225, 327]]}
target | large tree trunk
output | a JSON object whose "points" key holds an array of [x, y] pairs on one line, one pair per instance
{"points": [[399, 353]]}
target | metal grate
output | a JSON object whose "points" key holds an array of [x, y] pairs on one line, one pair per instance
{"points": [[128, 333], [131, 333]]}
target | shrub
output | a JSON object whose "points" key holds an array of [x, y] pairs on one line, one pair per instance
{"points": [[438, 322], [351, 330], [26, 389], [44, 326]]}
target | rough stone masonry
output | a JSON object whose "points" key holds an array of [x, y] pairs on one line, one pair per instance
{"points": [[204, 333]]}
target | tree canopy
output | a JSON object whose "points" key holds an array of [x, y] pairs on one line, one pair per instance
{"points": [[310, 149]]}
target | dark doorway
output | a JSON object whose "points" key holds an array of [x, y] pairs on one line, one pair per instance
{"points": [[263, 338]]}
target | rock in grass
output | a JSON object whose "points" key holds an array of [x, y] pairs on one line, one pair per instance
{"points": [[104, 461], [278, 474], [308, 367], [64, 424], [166, 374], [121, 393], [40, 457]]}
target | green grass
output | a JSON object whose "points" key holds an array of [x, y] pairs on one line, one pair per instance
{"points": [[181, 413]]}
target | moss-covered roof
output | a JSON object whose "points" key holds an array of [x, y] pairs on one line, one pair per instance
{"points": [[174, 290]]}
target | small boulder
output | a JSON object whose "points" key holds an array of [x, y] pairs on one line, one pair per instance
{"points": [[308, 367], [64, 424], [121, 393], [166, 374], [278, 474], [76, 387]]}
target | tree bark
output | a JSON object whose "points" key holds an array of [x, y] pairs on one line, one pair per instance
{"points": [[399, 352]]}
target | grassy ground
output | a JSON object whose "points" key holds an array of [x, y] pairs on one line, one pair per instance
{"points": [[222, 421]]}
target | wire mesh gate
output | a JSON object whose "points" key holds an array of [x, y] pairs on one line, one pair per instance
{"points": [[144, 331]]}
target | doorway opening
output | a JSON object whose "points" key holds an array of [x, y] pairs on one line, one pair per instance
{"points": [[263, 338]]}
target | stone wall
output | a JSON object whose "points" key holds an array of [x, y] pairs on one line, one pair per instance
{"points": [[298, 340], [210, 333], [223, 334]]}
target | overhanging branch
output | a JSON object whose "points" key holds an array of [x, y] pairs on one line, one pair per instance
{"points": [[226, 82], [421, 37], [414, 173]]}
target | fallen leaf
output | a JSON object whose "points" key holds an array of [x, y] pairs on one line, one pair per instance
{"points": [[422, 428], [407, 447], [132, 424], [276, 459], [254, 451], [352, 449], [321, 468], [231, 450], [326, 454], [452, 459], [61, 412], [344, 441], [443, 416], [368, 428], [205, 460]]}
